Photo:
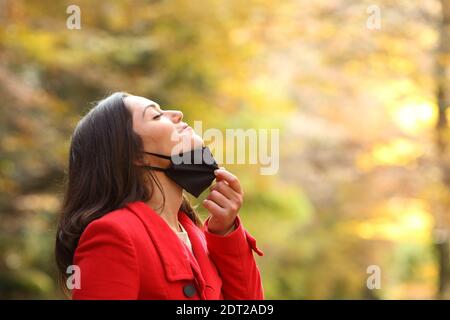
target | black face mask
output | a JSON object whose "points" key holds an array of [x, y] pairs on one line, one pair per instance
{"points": [[192, 170]]}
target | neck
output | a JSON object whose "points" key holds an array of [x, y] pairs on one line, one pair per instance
{"points": [[174, 196]]}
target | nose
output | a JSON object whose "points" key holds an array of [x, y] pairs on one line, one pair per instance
{"points": [[175, 115]]}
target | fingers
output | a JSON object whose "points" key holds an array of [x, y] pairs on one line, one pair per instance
{"points": [[224, 189], [219, 199], [213, 207], [231, 179], [224, 201]]}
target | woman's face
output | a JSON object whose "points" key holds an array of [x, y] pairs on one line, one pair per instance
{"points": [[161, 131]]}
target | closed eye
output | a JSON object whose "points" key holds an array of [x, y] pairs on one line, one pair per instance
{"points": [[157, 116]]}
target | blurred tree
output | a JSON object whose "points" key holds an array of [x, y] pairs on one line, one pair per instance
{"points": [[357, 183], [442, 144]]}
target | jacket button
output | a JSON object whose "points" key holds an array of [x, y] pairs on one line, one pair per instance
{"points": [[189, 290]]}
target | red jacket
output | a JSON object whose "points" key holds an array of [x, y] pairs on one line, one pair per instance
{"points": [[132, 253]]}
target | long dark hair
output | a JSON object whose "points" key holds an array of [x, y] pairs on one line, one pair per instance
{"points": [[102, 175]]}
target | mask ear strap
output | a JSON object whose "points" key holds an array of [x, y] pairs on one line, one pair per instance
{"points": [[159, 155]]}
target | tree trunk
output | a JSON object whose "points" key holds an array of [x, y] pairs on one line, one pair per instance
{"points": [[442, 148]]}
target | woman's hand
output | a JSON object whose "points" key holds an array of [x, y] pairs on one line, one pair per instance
{"points": [[223, 202]]}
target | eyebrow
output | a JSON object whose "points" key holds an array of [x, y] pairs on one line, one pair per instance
{"points": [[145, 109]]}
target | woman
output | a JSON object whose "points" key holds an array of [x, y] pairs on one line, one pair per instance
{"points": [[126, 224]]}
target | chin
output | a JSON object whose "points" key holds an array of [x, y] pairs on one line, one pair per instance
{"points": [[190, 140], [197, 141]]}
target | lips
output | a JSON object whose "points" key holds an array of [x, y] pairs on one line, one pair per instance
{"points": [[183, 127]]}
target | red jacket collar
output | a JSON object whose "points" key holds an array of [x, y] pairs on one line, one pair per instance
{"points": [[179, 263], [173, 255]]}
